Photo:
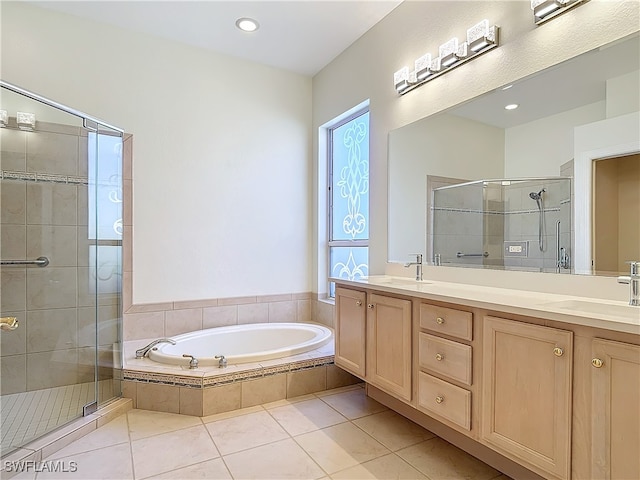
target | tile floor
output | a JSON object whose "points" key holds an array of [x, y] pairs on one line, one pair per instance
{"points": [[336, 434]]}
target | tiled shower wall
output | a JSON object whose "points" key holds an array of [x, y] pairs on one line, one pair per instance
{"points": [[522, 222], [44, 213], [476, 219]]}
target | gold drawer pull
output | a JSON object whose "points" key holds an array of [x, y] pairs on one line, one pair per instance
{"points": [[439, 320], [558, 352], [439, 357], [359, 303], [596, 362], [439, 399]]}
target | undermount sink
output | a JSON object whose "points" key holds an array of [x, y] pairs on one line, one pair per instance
{"points": [[624, 311], [383, 280]]}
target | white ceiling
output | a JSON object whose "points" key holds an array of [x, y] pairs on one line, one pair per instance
{"points": [[571, 84], [301, 36]]}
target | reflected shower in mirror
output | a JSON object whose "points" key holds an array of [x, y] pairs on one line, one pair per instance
{"points": [[569, 117], [507, 224]]}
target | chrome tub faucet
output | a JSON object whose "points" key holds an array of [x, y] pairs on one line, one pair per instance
{"points": [[633, 280], [142, 352], [418, 264]]}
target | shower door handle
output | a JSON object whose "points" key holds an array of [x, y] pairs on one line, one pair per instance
{"points": [[8, 323]]}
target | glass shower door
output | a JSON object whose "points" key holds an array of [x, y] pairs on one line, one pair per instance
{"points": [[48, 361]]}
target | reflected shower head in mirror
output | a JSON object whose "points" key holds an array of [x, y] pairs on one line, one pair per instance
{"points": [[537, 196]]}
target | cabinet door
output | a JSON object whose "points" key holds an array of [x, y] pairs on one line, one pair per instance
{"points": [[615, 416], [350, 330], [526, 394], [389, 345]]}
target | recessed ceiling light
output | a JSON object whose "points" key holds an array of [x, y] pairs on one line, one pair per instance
{"points": [[511, 106], [247, 24], [507, 87]]}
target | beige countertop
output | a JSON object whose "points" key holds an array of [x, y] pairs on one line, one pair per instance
{"points": [[606, 314]]}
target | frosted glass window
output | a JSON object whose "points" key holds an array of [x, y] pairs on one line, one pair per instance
{"points": [[105, 187], [350, 180], [349, 198], [348, 262]]}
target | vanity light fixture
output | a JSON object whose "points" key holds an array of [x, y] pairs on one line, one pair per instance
{"points": [[4, 118], [481, 35], [401, 79], [247, 24], [544, 10], [422, 66], [480, 38], [451, 52], [26, 121]]}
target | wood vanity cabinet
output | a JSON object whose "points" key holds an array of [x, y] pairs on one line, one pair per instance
{"points": [[527, 394], [615, 410], [561, 400], [389, 344], [445, 364], [350, 326], [373, 339]]}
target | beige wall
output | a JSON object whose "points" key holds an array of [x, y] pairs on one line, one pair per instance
{"points": [[222, 201], [365, 71]]}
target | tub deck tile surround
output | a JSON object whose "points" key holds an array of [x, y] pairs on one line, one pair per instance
{"points": [[177, 389]]}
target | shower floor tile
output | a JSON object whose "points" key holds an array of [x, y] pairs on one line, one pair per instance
{"points": [[27, 415]]}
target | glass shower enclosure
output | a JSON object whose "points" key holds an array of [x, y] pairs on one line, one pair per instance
{"points": [[509, 224], [61, 270]]}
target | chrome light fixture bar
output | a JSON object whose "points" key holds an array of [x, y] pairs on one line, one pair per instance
{"points": [[480, 39], [544, 10]]}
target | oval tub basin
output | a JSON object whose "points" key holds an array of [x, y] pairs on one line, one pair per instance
{"points": [[243, 343]]}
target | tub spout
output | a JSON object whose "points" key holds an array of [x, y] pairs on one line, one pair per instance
{"points": [[142, 352]]}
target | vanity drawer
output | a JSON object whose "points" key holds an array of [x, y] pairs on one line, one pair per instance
{"points": [[446, 357], [447, 321], [445, 400]]}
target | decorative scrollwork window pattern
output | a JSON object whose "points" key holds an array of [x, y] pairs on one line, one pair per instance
{"points": [[354, 179], [349, 198]]}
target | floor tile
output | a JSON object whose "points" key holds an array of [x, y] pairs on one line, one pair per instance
{"points": [[306, 416], [113, 433], [440, 460], [340, 446], [233, 413], [383, 468], [393, 430], [347, 388], [168, 451], [353, 403], [109, 463], [210, 470], [279, 460], [145, 423], [288, 401], [240, 433]]}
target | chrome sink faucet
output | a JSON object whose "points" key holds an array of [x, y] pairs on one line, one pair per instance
{"points": [[633, 280], [418, 264], [142, 352]]}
